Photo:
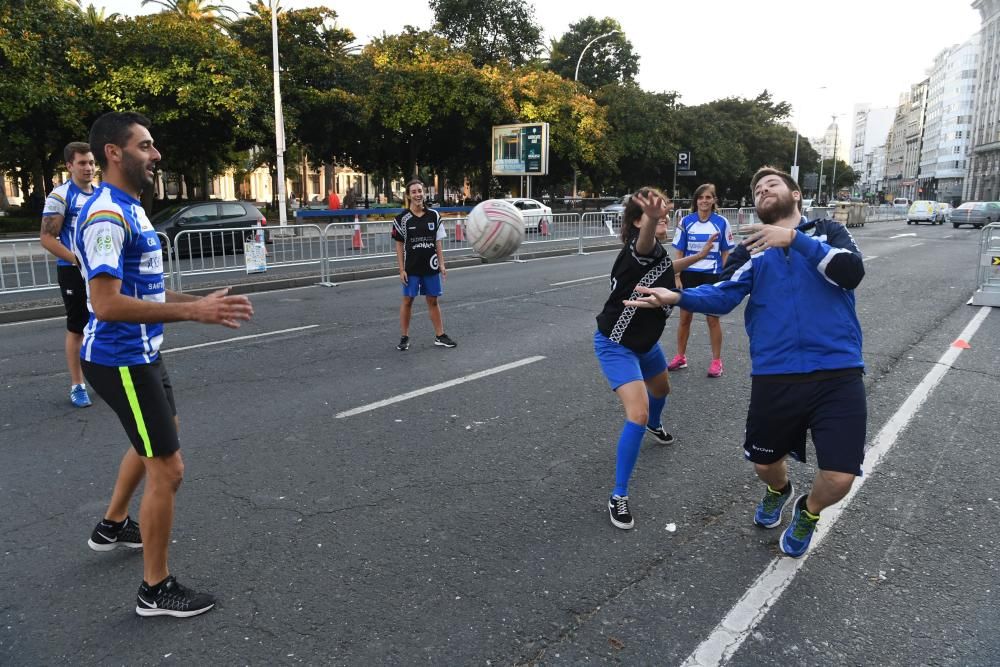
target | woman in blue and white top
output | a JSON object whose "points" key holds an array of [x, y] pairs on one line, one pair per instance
{"points": [[692, 233]]}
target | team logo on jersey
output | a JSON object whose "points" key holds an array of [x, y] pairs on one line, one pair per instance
{"points": [[430, 226], [434, 262], [104, 244]]}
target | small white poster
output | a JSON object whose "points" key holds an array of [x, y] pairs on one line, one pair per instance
{"points": [[255, 253]]}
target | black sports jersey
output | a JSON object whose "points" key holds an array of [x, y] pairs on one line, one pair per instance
{"points": [[638, 329], [419, 236]]}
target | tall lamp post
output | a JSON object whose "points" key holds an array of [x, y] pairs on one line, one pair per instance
{"points": [[833, 178], [279, 120], [576, 78]]}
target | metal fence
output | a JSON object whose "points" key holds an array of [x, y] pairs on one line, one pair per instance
{"points": [[25, 266]]}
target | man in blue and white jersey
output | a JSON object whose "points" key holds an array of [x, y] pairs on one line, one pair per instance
{"points": [[805, 351], [120, 256], [62, 207]]}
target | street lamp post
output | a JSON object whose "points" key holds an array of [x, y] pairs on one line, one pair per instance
{"points": [[279, 121], [833, 178], [576, 78]]}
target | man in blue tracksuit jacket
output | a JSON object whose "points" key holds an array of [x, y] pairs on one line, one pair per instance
{"points": [[805, 350]]}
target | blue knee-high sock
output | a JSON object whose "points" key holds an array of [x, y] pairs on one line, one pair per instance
{"points": [[628, 452], [656, 408]]}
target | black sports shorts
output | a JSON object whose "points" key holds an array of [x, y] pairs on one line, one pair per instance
{"points": [[143, 399], [691, 279], [833, 409], [74, 296]]}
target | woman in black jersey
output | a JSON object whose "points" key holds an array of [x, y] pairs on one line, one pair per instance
{"points": [[627, 338]]}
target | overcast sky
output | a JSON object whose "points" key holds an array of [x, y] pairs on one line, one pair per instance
{"points": [[822, 57]]}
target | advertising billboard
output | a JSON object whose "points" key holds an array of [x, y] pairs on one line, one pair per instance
{"points": [[521, 150]]}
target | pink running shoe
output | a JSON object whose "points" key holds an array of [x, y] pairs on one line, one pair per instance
{"points": [[679, 361], [715, 368]]}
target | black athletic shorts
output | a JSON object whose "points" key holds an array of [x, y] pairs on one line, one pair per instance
{"points": [[830, 404], [74, 295], [143, 399], [691, 279]]}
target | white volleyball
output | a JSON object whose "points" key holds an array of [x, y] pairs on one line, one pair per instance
{"points": [[495, 228]]}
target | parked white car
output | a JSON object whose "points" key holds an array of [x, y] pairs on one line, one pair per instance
{"points": [[923, 210], [536, 214]]}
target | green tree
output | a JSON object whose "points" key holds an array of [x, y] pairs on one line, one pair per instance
{"points": [[198, 87], [644, 136], [492, 31], [44, 100], [607, 61], [427, 104], [578, 127], [218, 15]]}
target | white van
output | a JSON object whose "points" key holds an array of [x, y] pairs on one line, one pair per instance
{"points": [[901, 202]]}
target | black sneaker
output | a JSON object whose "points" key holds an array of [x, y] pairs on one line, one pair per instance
{"points": [[172, 599], [444, 341], [621, 517], [107, 537], [660, 435], [404, 343]]}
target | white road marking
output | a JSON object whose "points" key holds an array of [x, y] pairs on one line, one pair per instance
{"points": [[603, 276], [751, 609], [899, 236], [869, 258], [437, 387], [46, 319], [914, 245], [237, 338]]}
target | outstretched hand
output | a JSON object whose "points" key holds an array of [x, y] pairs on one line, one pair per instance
{"points": [[761, 237], [656, 297], [220, 308], [653, 206]]}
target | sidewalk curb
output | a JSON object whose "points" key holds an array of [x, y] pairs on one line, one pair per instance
{"points": [[57, 310]]}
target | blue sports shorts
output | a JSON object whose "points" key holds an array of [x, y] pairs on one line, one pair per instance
{"points": [[621, 365], [834, 410], [426, 285]]}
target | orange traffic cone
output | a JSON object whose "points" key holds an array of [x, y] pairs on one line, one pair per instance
{"points": [[459, 232], [356, 242], [543, 227]]}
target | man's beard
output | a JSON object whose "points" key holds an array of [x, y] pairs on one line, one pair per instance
{"points": [[135, 172], [780, 209]]}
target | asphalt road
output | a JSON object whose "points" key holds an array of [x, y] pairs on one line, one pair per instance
{"points": [[466, 525]]}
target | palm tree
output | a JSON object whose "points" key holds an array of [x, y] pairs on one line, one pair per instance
{"points": [[197, 10], [95, 17]]}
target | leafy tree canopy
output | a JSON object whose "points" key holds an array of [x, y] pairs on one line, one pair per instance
{"points": [[608, 60], [492, 31]]}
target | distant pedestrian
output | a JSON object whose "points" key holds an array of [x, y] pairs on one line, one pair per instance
{"points": [[692, 232], [627, 339], [418, 233], [122, 260], [59, 218], [805, 350]]}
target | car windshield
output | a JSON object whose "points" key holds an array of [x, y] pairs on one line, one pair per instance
{"points": [[972, 205], [166, 213]]}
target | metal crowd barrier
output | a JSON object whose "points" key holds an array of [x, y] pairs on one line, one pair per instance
{"points": [[26, 266], [220, 250], [988, 279]]}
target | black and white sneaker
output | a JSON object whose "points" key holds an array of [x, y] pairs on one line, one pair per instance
{"points": [[171, 599], [444, 341], [618, 510], [404, 343], [660, 435], [108, 536]]}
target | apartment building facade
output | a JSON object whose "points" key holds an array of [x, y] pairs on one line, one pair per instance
{"points": [[983, 180]]}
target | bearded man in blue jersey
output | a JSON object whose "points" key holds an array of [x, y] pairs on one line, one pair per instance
{"points": [[120, 257], [805, 349]]}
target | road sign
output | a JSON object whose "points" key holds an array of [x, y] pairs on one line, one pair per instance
{"points": [[684, 161], [687, 172], [996, 261]]}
